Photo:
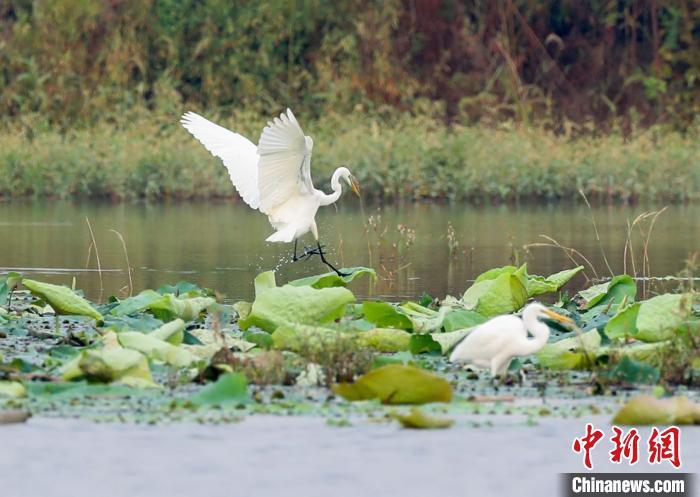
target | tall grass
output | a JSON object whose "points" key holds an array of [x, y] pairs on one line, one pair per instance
{"points": [[395, 158]]}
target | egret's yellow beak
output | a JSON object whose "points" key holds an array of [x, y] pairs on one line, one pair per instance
{"points": [[355, 186], [558, 317]]}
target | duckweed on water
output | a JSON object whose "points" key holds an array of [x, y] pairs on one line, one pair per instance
{"points": [[177, 354]]}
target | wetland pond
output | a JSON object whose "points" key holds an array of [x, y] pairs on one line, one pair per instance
{"points": [[298, 360], [415, 248]]}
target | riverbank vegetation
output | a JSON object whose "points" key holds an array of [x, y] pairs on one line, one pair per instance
{"points": [[395, 158], [499, 101]]}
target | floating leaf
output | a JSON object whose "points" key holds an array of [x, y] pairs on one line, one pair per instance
{"points": [[653, 320], [156, 349], [424, 344], [169, 307], [221, 339], [460, 319], [332, 279], [136, 303], [385, 339], [261, 339], [228, 388], [294, 337], [578, 352], [647, 410], [108, 365], [277, 306], [183, 289], [7, 285], [424, 319], [498, 291], [629, 370], [450, 339], [62, 299], [385, 315], [417, 419], [243, 309], [172, 332], [613, 292], [624, 323], [12, 389], [660, 317], [397, 384], [264, 281], [538, 285]]}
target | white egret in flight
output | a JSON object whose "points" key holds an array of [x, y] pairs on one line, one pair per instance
{"points": [[494, 343], [275, 176]]}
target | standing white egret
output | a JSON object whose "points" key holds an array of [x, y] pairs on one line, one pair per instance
{"points": [[494, 343], [275, 176]]}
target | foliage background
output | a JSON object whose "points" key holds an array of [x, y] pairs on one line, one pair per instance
{"points": [[555, 69]]}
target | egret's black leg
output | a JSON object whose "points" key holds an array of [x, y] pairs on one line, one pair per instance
{"points": [[323, 259], [296, 258]]}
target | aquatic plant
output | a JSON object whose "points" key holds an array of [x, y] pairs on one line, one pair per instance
{"points": [[311, 333]]}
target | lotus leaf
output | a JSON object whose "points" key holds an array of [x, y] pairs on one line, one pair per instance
{"points": [[385, 339], [417, 419], [332, 279], [228, 388], [647, 410], [397, 384], [62, 299]]}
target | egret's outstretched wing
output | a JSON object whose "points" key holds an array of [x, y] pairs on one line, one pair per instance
{"points": [[285, 161], [238, 154]]}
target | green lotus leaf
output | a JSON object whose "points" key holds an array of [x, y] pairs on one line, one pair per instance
{"points": [[385, 339], [613, 292], [276, 306], [62, 299], [169, 307], [296, 336], [577, 352], [332, 279], [109, 365], [647, 410], [136, 303], [538, 285], [172, 332], [660, 317], [397, 384], [496, 292], [156, 349], [12, 389], [417, 419], [424, 344], [460, 319], [385, 315], [228, 388]]}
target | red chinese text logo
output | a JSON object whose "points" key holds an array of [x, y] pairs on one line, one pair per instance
{"points": [[661, 445], [665, 446], [586, 444]]}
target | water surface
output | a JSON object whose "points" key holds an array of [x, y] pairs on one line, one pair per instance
{"points": [[221, 245]]}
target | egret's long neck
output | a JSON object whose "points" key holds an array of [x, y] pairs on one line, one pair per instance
{"points": [[540, 333], [328, 199]]}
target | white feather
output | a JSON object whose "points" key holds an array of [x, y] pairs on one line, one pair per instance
{"points": [[274, 177], [238, 154], [285, 162]]}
